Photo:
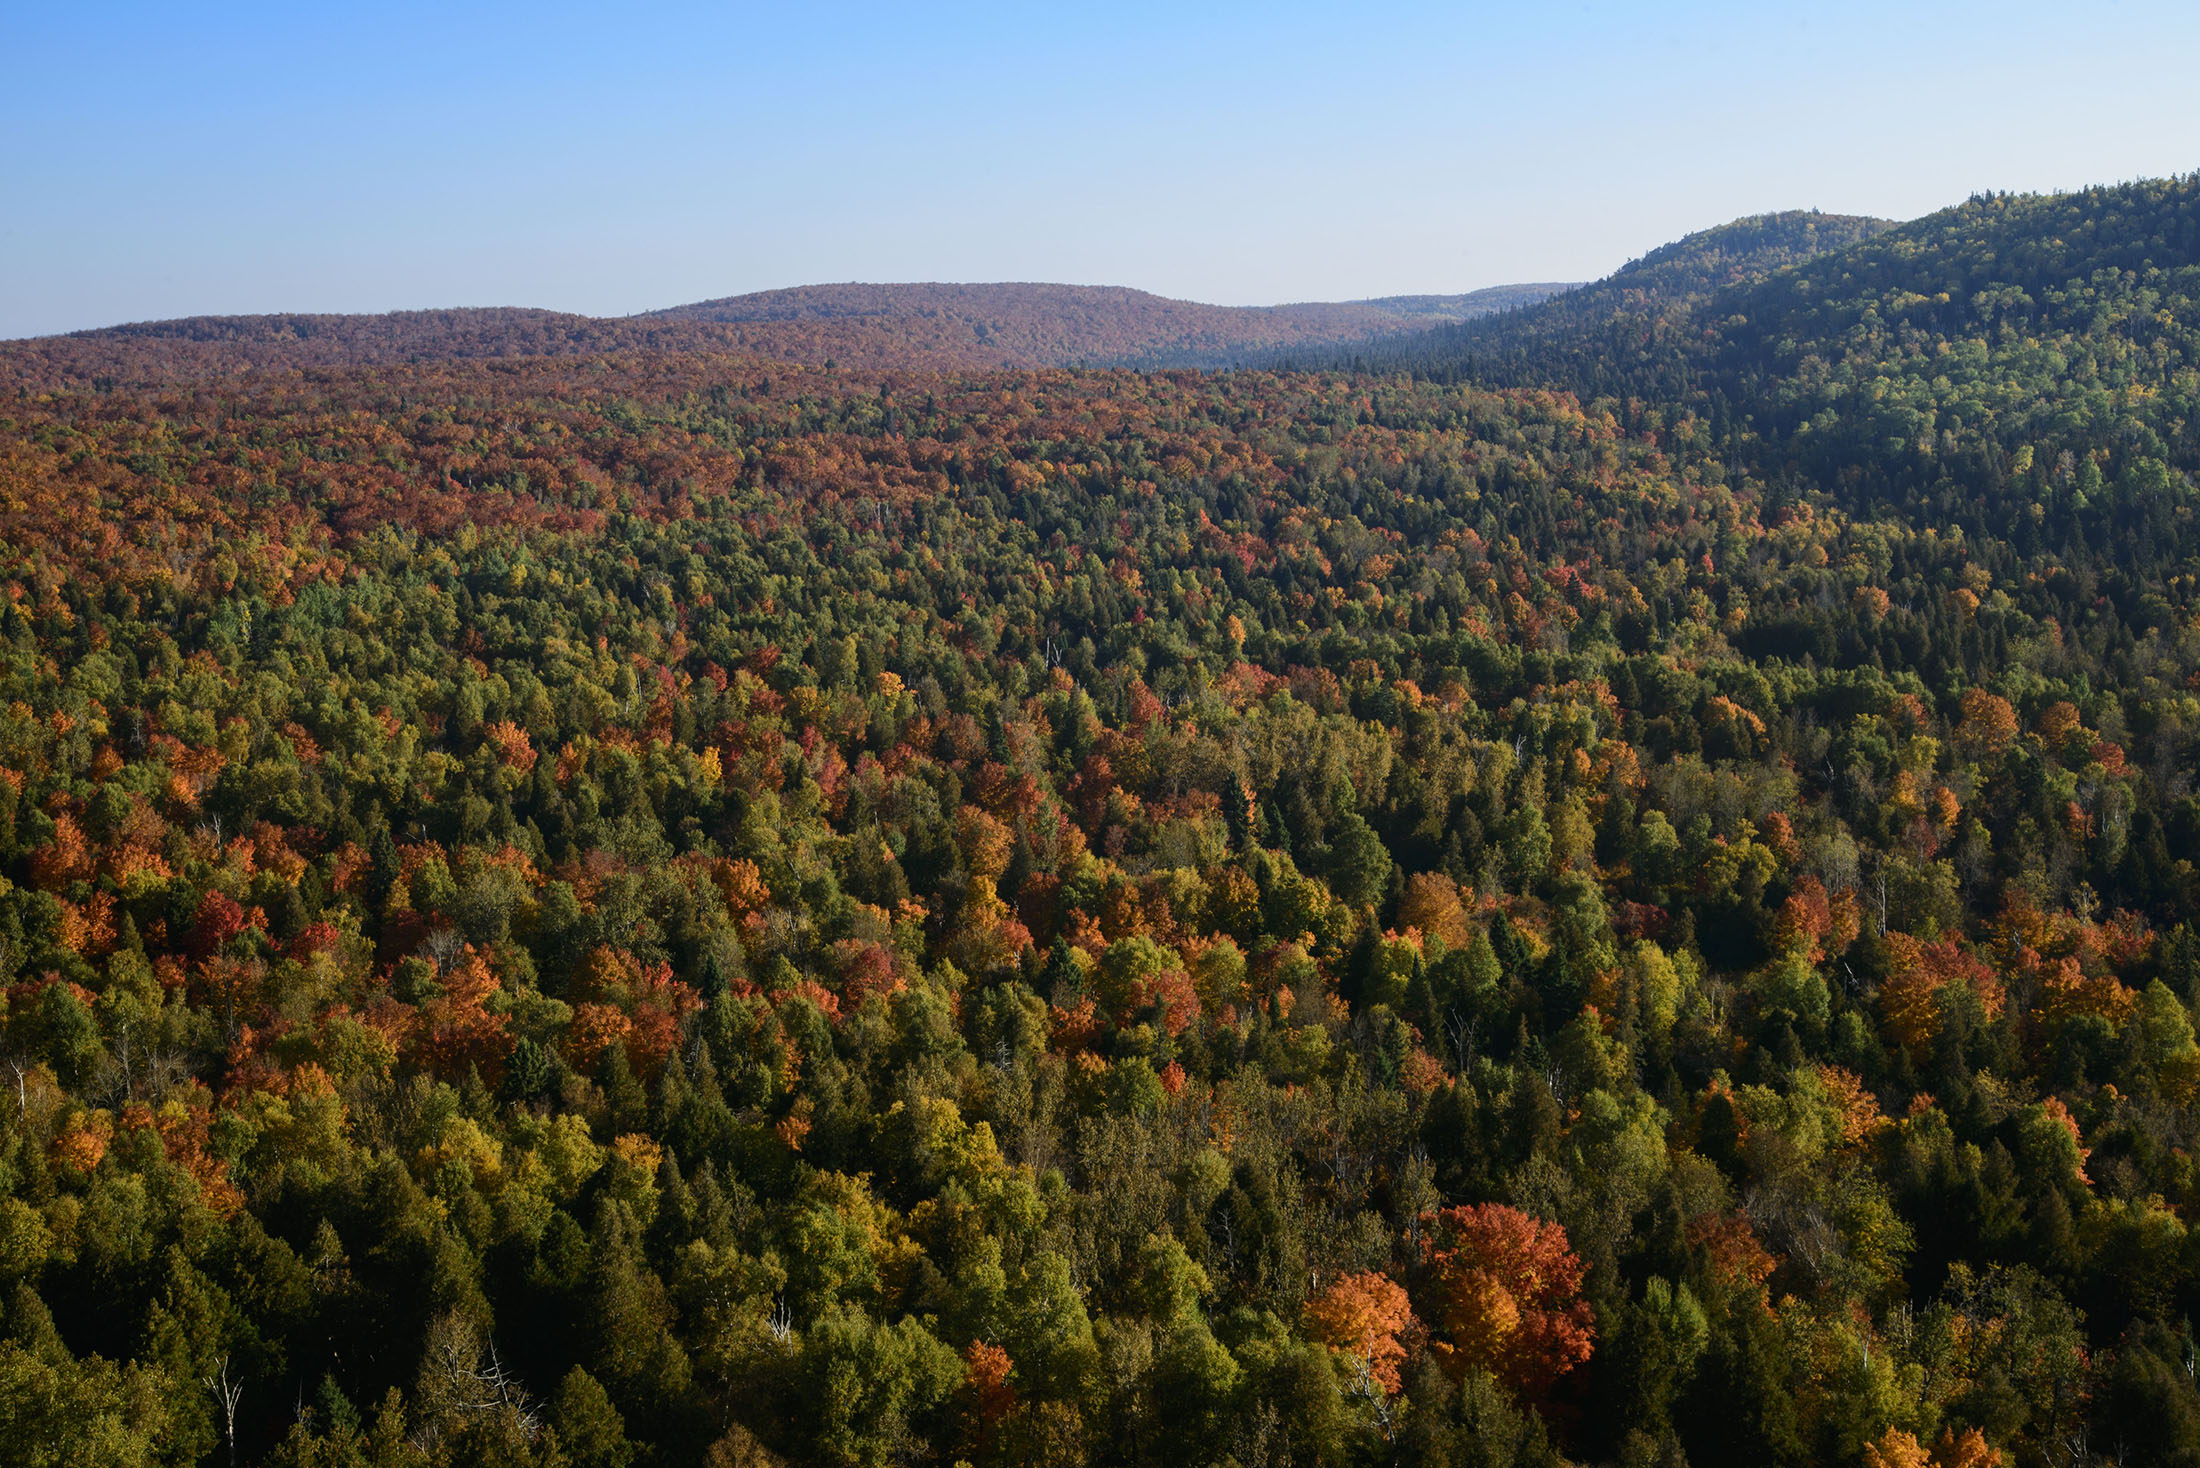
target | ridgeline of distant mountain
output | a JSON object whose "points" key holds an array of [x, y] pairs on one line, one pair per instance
{"points": [[1054, 325], [924, 327], [1473, 304]]}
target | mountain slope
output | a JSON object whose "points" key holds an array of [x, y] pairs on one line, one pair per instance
{"points": [[2037, 326], [1578, 337], [2045, 344]]}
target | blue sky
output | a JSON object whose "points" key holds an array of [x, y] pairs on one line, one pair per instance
{"points": [[171, 159]]}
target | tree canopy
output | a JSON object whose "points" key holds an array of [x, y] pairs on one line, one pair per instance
{"points": [[651, 907]]}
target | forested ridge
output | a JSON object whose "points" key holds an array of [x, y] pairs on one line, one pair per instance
{"points": [[941, 328], [651, 907], [1604, 336]]}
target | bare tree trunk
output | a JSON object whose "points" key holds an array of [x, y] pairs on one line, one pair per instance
{"points": [[226, 1395]]}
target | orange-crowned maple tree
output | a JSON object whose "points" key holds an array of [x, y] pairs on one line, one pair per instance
{"points": [[1506, 1297], [1366, 1316]]}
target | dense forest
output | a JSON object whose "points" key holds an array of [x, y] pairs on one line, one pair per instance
{"points": [[1624, 895]]}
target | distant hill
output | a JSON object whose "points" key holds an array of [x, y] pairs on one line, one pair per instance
{"points": [[1054, 325], [1474, 303], [926, 327]]}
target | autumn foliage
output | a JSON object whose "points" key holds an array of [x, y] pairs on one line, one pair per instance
{"points": [[1505, 1297], [570, 895], [1899, 1449], [1367, 1318]]}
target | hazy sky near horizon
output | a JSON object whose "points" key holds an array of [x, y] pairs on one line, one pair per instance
{"points": [[161, 160]]}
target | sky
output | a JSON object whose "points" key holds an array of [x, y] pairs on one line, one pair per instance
{"points": [[173, 159]]}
